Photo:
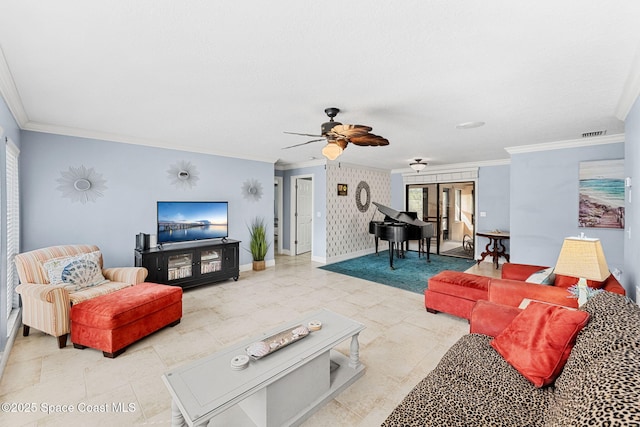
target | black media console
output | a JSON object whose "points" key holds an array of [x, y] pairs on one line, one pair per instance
{"points": [[191, 264]]}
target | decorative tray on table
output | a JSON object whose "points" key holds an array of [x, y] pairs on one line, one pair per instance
{"points": [[260, 349]]}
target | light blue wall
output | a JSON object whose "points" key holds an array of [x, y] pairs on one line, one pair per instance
{"points": [[136, 178], [493, 199], [544, 204], [319, 177], [631, 276]]}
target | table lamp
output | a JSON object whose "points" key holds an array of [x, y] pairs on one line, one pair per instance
{"points": [[582, 257]]}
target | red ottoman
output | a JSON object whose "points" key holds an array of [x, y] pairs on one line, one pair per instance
{"points": [[455, 292], [111, 322]]}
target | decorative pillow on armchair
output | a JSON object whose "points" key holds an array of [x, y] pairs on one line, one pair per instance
{"points": [[538, 342], [75, 272]]}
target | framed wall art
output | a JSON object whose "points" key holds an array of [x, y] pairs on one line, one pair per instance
{"points": [[342, 189], [601, 194]]}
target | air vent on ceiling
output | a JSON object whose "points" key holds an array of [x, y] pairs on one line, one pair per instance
{"points": [[592, 134]]}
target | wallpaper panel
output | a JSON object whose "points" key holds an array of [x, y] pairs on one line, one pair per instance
{"points": [[347, 227]]}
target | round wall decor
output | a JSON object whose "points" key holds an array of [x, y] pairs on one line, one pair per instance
{"points": [[363, 192], [183, 175], [81, 184], [252, 190]]}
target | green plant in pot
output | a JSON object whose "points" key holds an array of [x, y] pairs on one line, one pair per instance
{"points": [[258, 245]]}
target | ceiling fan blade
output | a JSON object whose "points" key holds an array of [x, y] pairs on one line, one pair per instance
{"points": [[304, 134], [350, 130], [304, 143], [369, 140]]}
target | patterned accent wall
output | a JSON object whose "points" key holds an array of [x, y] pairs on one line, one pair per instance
{"points": [[347, 227]]}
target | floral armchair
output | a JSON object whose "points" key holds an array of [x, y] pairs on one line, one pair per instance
{"points": [[54, 278]]}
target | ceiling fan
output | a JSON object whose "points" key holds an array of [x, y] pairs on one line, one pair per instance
{"points": [[338, 136]]}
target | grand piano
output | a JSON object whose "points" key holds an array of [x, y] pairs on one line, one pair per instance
{"points": [[398, 228]]}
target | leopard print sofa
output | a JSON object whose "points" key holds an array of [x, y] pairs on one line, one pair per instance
{"points": [[599, 386]]}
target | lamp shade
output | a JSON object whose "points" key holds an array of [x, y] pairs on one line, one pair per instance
{"points": [[582, 258]]}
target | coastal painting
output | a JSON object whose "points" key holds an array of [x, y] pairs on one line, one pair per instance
{"points": [[602, 194]]}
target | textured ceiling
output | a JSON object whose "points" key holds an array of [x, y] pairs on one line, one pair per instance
{"points": [[230, 77]]}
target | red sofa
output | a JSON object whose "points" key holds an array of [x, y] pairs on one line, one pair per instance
{"points": [[456, 293]]}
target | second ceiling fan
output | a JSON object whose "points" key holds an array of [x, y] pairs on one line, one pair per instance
{"points": [[338, 136]]}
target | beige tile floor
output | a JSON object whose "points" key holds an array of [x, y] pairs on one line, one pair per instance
{"points": [[400, 345]]}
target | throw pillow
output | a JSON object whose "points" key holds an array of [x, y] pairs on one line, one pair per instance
{"points": [[538, 342], [75, 272], [542, 277]]}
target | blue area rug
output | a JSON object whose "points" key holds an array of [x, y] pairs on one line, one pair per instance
{"points": [[411, 273]]}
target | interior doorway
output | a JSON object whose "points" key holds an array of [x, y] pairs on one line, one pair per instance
{"points": [[302, 209], [450, 206]]}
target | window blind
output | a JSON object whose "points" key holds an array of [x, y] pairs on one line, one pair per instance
{"points": [[13, 222]]}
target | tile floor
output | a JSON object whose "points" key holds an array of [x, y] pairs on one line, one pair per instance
{"points": [[400, 345]]}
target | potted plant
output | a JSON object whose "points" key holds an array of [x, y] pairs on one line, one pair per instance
{"points": [[258, 245]]}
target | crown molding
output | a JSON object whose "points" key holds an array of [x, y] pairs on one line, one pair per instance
{"points": [[10, 93], [300, 165], [571, 143], [630, 91], [340, 164], [453, 167]]}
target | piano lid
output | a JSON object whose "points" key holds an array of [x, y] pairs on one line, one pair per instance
{"points": [[397, 215]]}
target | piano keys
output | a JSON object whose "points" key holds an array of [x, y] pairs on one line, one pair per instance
{"points": [[399, 228]]}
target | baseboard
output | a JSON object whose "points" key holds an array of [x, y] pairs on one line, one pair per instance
{"points": [[351, 255], [320, 259]]}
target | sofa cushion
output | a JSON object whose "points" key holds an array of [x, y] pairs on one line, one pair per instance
{"points": [[542, 277], [539, 340], [568, 281], [75, 272], [462, 285], [107, 287], [514, 271]]}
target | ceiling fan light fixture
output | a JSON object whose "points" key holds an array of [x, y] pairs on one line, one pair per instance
{"points": [[418, 165], [332, 150]]}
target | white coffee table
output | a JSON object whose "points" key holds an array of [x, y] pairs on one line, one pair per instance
{"points": [[281, 389]]}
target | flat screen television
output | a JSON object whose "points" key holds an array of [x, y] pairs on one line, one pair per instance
{"points": [[187, 221]]}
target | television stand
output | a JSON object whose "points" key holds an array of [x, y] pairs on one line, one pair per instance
{"points": [[191, 264]]}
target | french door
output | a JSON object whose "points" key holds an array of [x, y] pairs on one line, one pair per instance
{"points": [[451, 208]]}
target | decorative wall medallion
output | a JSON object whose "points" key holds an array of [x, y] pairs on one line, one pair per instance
{"points": [[81, 184], [183, 175], [252, 190], [363, 191]]}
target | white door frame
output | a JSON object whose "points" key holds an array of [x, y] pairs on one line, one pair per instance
{"points": [[292, 213], [280, 182]]}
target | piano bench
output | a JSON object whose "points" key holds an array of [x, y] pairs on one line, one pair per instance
{"points": [[456, 293]]}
